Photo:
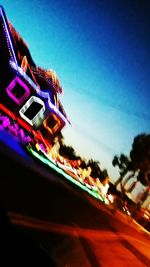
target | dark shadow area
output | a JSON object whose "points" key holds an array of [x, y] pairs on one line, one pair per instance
{"points": [[50, 198], [24, 191], [17, 248]]}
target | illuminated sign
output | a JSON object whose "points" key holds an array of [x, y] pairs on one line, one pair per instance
{"points": [[52, 123], [32, 110], [22, 98], [18, 91]]}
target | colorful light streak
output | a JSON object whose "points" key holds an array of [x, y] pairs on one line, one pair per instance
{"points": [[41, 93], [22, 123], [13, 129], [31, 100], [60, 171], [5, 122], [11, 87], [56, 127], [7, 35]]}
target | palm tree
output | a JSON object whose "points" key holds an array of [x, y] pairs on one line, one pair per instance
{"points": [[140, 157], [95, 168], [138, 164], [132, 187], [122, 162], [133, 174]]}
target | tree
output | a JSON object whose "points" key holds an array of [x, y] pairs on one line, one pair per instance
{"points": [[140, 157], [138, 163], [104, 174], [68, 152], [124, 165], [60, 138], [83, 164], [95, 168], [132, 187]]}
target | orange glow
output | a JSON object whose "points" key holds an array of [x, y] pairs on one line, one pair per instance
{"points": [[56, 127]]}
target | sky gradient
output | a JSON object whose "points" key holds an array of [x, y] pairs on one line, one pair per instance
{"points": [[100, 51]]}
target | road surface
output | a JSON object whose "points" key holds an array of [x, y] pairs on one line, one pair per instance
{"points": [[73, 227]]}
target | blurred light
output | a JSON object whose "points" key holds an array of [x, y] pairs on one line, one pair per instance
{"points": [[62, 172], [146, 216], [110, 198], [12, 86]]}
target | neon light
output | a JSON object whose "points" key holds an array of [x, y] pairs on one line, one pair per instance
{"points": [[24, 64], [38, 91], [24, 138], [11, 88], [8, 39], [14, 129], [55, 128], [7, 111], [24, 124], [37, 134], [26, 67], [46, 160], [31, 100], [20, 121], [26, 77], [60, 171], [4, 120]]}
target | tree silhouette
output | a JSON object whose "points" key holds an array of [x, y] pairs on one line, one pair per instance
{"points": [[140, 157], [68, 152], [138, 163], [124, 165], [95, 168]]}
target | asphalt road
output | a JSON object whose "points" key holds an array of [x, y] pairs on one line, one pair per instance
{"points": [[74, 228]]}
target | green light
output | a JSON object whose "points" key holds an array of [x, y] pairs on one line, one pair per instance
{"points": [[62, 172]]}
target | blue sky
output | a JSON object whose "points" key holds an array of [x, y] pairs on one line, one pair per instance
{"points": [[100, 51]]}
